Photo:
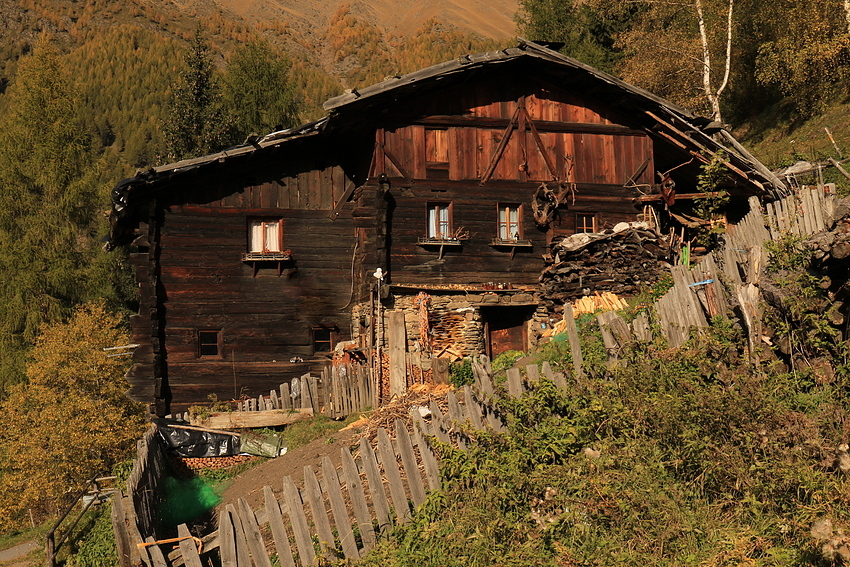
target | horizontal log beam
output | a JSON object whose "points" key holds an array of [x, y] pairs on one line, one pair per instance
{"points": [[541, 125], [240, 419]]}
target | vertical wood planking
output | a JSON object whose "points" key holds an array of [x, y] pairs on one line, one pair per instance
{"points": [[358, 499], [390, 466], [242, 555], [252, 531], [438, 422], [397, 347], [226, 540], [281, 538], [298, 521], [158, 559], [429, 460], [377, 494], [408, 461], [187, 548], [338, 509], [473, 409], [532, 371], [514, 382], [313, 494]]}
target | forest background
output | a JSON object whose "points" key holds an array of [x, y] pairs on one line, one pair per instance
{"points": [[92, 91]]}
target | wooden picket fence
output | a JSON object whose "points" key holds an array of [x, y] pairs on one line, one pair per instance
{"points": [[342, 513]]}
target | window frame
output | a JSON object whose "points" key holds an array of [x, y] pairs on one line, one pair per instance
{"points": [[433, 232], [581, 225], [333, 337], [436, 137], [264, 221], [506, 223], [201, 343]]}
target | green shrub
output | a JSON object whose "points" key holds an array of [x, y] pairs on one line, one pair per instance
{"points": [[460, 373]]}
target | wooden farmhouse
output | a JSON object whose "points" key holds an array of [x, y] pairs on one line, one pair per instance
{"points": [[414, 218]]}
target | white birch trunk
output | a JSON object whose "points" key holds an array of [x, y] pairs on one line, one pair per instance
{"points": [[711, 94]]}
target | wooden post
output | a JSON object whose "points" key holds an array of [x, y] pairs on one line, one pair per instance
{"points": [[397, 351], [440, 369], [575, 345]]}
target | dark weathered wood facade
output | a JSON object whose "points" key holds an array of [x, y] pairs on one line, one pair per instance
{"points": [[468, 143]]}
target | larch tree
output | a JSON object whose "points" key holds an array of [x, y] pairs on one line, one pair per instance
{"points": [[52, 192], [70, 420], [259, 96]]}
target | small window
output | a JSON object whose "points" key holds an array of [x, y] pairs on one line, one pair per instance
{"points": [[209, 343], [324, 338], [510, 222], [265, 236], [586, 222], [440, 221]]}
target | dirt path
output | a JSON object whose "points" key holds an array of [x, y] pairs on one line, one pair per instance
{"points": [[249, 485], [19, 551]]}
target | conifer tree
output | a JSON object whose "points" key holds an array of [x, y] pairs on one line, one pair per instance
{"points": [[51, 191], [258, 93], [195, 122]]}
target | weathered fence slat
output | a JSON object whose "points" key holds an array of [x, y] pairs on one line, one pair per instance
{"points": [[156, 556], [358, 499], [313, 494], [438, 422], [473, 409], [377, 494], [338, 509], [275, 518], [187, 547], [514, 382], [256, 545], [429, 460], [532, 372], [298, 521], [408, 462], [390, 466], [242, 555]]}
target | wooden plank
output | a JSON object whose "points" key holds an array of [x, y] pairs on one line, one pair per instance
{"points": [[252, 532], [188, 549], [532, 372], [306, 398], [438, 422], [514, 382], [419, 422], [377, 494], [358, 500], [386, 455], [274, 399], [158, 559], [408, 462], [285, 397], [338, 509], [396, 350], [429, 459], [817, 206], [575, 345], [473, 409], [227, 540], [298, 521], [313, 381], [313, 495], [242, 555], [482, 377], [455, 413], [281, 538], [266, 418]]}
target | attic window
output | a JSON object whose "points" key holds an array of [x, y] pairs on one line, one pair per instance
{"points": [[436, 153]]}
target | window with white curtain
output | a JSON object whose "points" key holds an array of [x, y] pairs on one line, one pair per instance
{"points": [[265, 236], [510, 222], [440, 221]]}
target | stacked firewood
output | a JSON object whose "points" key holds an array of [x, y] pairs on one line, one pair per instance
{"points": [[620, 261], [201, 463]]}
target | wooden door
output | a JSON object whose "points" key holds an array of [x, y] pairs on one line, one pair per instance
{"points": [[505, 329]]}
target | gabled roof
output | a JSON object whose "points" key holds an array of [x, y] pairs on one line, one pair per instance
{"points": [[692, 133]]}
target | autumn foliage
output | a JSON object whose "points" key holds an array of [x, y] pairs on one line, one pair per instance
{"points": [[70, 421]]}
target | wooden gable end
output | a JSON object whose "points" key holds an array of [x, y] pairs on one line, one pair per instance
{"points": [[551, 134]]}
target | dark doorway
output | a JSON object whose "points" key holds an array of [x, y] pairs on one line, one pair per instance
{"points": [[505, 328]]}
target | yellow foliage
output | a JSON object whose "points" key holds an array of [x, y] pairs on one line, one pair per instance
{"points": [[71, 420]]}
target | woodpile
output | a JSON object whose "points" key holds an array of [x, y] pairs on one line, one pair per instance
{"points": [[200, 463], [620, 261]]}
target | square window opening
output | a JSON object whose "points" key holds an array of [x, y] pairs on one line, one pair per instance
{"points": [[265, 236], [324, 338], [209, 343], [586, 223]]}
